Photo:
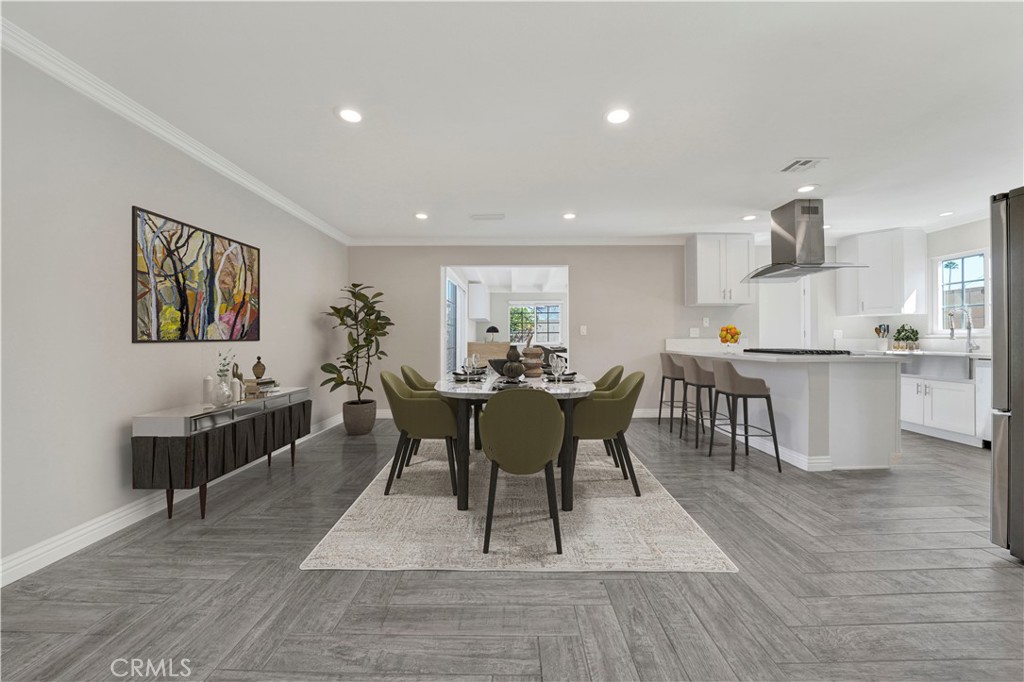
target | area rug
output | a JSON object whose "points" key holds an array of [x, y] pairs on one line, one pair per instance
{"points": [[417, 526]]}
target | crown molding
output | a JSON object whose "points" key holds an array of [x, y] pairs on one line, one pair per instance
{"points": [[525, 241], [24, 45]]}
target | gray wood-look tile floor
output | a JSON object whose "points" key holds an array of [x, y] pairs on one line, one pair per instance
{"points": [[843, 576]]}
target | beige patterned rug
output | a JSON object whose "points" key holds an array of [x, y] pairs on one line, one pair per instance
{"points": [[610, 529]]}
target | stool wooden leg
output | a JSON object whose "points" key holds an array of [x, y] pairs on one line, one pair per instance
{"points": [[714, 411], [775, 438], [746, 430], [686, 404], [732, 425], [698, 422], [671, 402], [661, 399], [710, 391]]}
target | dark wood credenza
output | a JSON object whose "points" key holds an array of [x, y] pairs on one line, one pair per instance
{"points": [[189, 446]]}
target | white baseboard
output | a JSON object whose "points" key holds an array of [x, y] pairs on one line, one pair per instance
{"points": [[42, 554], [943, 434]]}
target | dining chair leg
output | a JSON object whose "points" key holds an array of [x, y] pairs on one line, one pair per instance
{"points": [[732, 426], [405, 456], [661, 399], [775, 437], [746, 430], [714, 412], [490, 507], [671, 402], [412, 451], [622, 459], [399, 452], [549, 477], [629, 461], [449, 446], [611, 453]]}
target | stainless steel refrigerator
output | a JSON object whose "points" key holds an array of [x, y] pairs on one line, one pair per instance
{"points": [[1008, 371]]}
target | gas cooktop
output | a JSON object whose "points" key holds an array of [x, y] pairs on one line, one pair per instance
{"points": [[796, 351]]}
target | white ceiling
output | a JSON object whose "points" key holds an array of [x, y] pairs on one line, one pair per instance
{"points": [[518, 279], [499, 108]]}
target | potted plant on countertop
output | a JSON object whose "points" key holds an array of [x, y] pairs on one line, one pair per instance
{"points": [[905, 338], [366, 325]]}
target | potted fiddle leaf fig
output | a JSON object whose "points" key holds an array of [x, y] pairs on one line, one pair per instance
{"points": [[365, 325]]}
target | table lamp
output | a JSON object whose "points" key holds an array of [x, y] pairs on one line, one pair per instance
{"points": [[491, 331]]}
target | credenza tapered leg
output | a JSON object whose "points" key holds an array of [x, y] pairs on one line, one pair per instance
{"points": [[202, 501], [170, 502], [293, 453]]}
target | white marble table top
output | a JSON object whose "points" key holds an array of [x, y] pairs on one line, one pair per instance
{"points": [[483, 390]]}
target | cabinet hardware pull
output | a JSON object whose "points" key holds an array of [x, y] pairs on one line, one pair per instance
{"points": [[918, 389], [926, 389]]}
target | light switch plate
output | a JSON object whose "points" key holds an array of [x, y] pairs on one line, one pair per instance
{"points": [[694, 332], [707, 321], [583, 330]]}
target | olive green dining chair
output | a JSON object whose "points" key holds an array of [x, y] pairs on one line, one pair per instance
{"points": [[609, 379], [522, 432], [416, 381], [606, 416], [418, 415]]}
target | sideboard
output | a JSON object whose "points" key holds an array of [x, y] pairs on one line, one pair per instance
{"points": [[186, 447]]}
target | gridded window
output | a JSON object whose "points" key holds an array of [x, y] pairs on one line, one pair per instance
{"points": [[962, 283], [543, 319], [451, 317]]}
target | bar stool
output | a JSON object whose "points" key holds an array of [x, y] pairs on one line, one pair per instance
{"points": [[733, 386], [701, 379], [672, 372]]}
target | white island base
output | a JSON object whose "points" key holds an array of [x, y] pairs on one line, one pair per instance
{"points": [[831, 412]]}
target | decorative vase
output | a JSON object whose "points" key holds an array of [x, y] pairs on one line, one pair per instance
{"points": [[533, 361], [222, 391], [513, 369], [259, 369], [359, 416]]}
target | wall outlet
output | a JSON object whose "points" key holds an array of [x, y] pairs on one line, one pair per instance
{"points": [[694, 332], [706, 321], [583, 330]]}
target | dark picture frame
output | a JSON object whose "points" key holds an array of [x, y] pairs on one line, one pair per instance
{"points": [[191, 284]]}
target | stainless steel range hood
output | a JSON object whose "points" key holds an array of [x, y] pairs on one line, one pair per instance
{"points": [[798, 244]]}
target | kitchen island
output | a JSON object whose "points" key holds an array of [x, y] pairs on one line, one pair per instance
{"points": [[831, 411]]}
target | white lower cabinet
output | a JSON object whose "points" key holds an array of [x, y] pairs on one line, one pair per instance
{"points": [[946, 405]]}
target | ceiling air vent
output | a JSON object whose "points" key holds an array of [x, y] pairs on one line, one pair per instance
{"points": [[486, 216], [801, 165]]}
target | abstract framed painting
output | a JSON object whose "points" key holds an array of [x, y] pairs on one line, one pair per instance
{"points": [[190, 284]]}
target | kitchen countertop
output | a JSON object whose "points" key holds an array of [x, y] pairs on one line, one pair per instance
{"points": [[739, 355], [927, 353]]}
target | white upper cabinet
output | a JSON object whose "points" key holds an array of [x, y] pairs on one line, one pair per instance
{"points": [[896, 279], [715, 267], [479, 302]]}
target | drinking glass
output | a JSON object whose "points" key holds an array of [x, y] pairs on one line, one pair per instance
{"points": [[475, 359], [557, 367]]}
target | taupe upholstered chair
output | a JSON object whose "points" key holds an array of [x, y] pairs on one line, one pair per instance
{"points": [[418, 415], [522, 432], [734, 386], [671, 371], [701, 380]]}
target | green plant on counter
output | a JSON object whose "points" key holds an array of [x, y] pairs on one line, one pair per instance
{"points": [[906, 333]]}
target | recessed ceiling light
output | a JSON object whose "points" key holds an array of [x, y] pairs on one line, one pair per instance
{"points": [[806, 188], [422, 216], [350, 115], [750, 217], [617, 116], [946, 213], [569, 216], [826, 227]]}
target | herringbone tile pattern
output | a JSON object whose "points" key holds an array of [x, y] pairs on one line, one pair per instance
{"points": [[844, 576]]}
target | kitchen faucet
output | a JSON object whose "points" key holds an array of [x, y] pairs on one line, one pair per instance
{"points": [[966, 319]]}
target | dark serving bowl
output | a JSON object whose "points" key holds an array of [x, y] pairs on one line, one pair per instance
{"points": [[498, 364]]}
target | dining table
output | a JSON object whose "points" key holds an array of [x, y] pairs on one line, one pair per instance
{"points": [[479, 389]]}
